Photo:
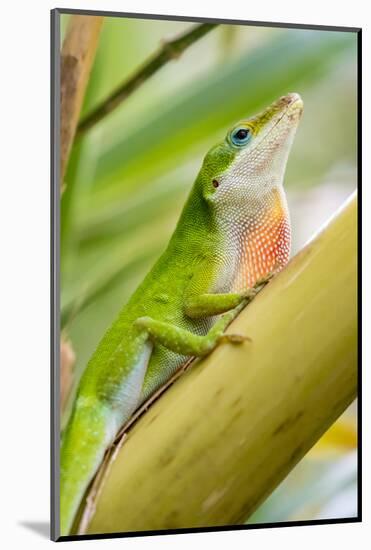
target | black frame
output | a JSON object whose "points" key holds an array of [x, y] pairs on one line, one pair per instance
{"points": [[55, 281]]}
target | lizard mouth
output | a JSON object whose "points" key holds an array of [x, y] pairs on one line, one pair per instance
{"points": [[288, 104], [288, 107], [291, 108], [294, 107]]}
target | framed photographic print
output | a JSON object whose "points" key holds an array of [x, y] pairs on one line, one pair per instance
{"points": [[204, 288]]}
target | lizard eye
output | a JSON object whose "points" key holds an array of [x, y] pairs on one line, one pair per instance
{"points": [[240, 136]]}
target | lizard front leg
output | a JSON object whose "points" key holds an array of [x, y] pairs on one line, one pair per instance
{"points": [[206, 304], [185, 342]]}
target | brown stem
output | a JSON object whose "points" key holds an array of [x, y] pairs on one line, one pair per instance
{"points": [[67, 364], [170, 50], [77, 56]]}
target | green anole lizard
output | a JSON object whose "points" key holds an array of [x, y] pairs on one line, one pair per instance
{"points": [[234, 230]]}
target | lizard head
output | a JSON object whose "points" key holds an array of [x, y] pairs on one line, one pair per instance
{"points": [[242, 184], [250, 162]]}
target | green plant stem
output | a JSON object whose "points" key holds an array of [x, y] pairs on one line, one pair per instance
{"points": [[170, 50]]}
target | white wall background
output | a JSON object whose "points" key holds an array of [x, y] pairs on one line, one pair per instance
{"points": [[24, 302]]}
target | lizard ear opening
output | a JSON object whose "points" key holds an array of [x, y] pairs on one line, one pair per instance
{"points": [[215, 183]]}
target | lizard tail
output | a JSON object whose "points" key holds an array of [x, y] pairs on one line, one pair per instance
{"points": [[87, 436], [94, 422]]}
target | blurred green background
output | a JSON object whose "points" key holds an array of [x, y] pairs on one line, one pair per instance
{"points": [[129, 175]]}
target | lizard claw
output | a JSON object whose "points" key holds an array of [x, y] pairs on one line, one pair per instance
{"points": [[250, 292], [264, 280], [235, 338], [258, 286]]}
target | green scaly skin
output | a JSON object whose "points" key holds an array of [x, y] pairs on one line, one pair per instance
{"points": [[234, 230]]}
